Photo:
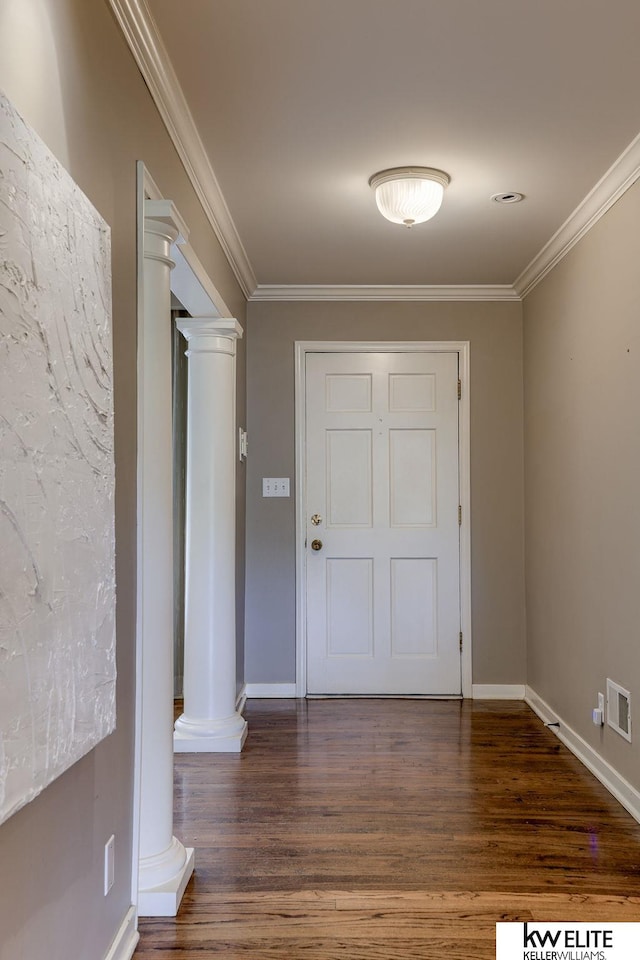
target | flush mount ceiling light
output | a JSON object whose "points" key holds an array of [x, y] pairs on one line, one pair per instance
{"points": [[409, 195]]}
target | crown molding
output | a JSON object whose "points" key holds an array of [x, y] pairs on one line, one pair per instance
{"points": [[142, 36], [150, 54], [398, 293], [621, 175]]}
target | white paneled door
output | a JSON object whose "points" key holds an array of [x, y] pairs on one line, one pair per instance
{"points": [[382, 532]]}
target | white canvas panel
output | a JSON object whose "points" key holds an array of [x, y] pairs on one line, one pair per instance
{"points": [[57, 576]]}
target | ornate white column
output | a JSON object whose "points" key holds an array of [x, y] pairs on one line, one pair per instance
{"points": [[165, 865], [210, 722]]}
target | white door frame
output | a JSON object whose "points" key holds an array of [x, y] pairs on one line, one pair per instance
{"points": [[461, 347]]}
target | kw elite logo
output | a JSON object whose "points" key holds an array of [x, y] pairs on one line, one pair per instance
{"points": [[567, 941]]}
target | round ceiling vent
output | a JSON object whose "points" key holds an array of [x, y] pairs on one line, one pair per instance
{"points": [[510, 197]]}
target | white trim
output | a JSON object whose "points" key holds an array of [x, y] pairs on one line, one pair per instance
{"points": [[300, 494], [191, 285], [620, 176], [149, 186], [464, 494], [461, 347], [271, 691], [144, 187], [498, 691], [539, 707], [621, 789], [241, 698], [383, 346], [189, 279], [150, 54], [397, 293], [126, 939], [202, 276]]}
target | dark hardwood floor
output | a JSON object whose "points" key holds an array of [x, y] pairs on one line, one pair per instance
{"points": [[391, 828]]}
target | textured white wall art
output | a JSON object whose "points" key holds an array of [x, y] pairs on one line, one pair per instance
{"points": [[57, 582]]}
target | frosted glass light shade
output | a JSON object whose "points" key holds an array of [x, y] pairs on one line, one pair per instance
{"points": [[409, 195]]}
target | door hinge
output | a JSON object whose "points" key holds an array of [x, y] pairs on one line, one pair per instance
{"points": [[459, 515], [459, 389], [460, 639]]}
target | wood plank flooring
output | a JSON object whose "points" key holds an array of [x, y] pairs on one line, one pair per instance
{"points": [[391, 828]]}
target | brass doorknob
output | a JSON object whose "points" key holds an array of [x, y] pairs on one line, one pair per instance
{"points": [[316, 544]]}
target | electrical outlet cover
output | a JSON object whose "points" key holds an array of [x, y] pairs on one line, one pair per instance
{"points": [[619, 709]]}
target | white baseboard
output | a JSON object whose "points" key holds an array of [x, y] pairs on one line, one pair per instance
{"points": [[126, 939], [285, 691], [620, 788], [539, 707], [498, 691], [271, 691]]}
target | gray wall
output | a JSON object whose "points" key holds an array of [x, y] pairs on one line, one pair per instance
{"points": [[495, 333], [582, 397], [67, 69]]}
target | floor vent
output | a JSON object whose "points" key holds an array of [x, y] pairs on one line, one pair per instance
{"points": [[619, 709]]}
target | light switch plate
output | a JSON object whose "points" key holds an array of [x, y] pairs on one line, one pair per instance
{"points": [[275, 487]]}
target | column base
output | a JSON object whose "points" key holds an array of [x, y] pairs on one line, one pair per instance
{"points": [[164, 899], [210, 736]]}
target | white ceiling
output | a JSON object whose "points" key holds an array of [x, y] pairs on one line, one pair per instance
{"points": [[297, 103]]}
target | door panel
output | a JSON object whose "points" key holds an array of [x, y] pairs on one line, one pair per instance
{"points": [[349, 607], [348, 394], [383, 603], [412, 480], [349, 478], [412, 392], [414, 593]]}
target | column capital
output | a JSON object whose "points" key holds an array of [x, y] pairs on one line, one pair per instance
{"points": [[192, 327], [210, 334], [165, 211]]}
